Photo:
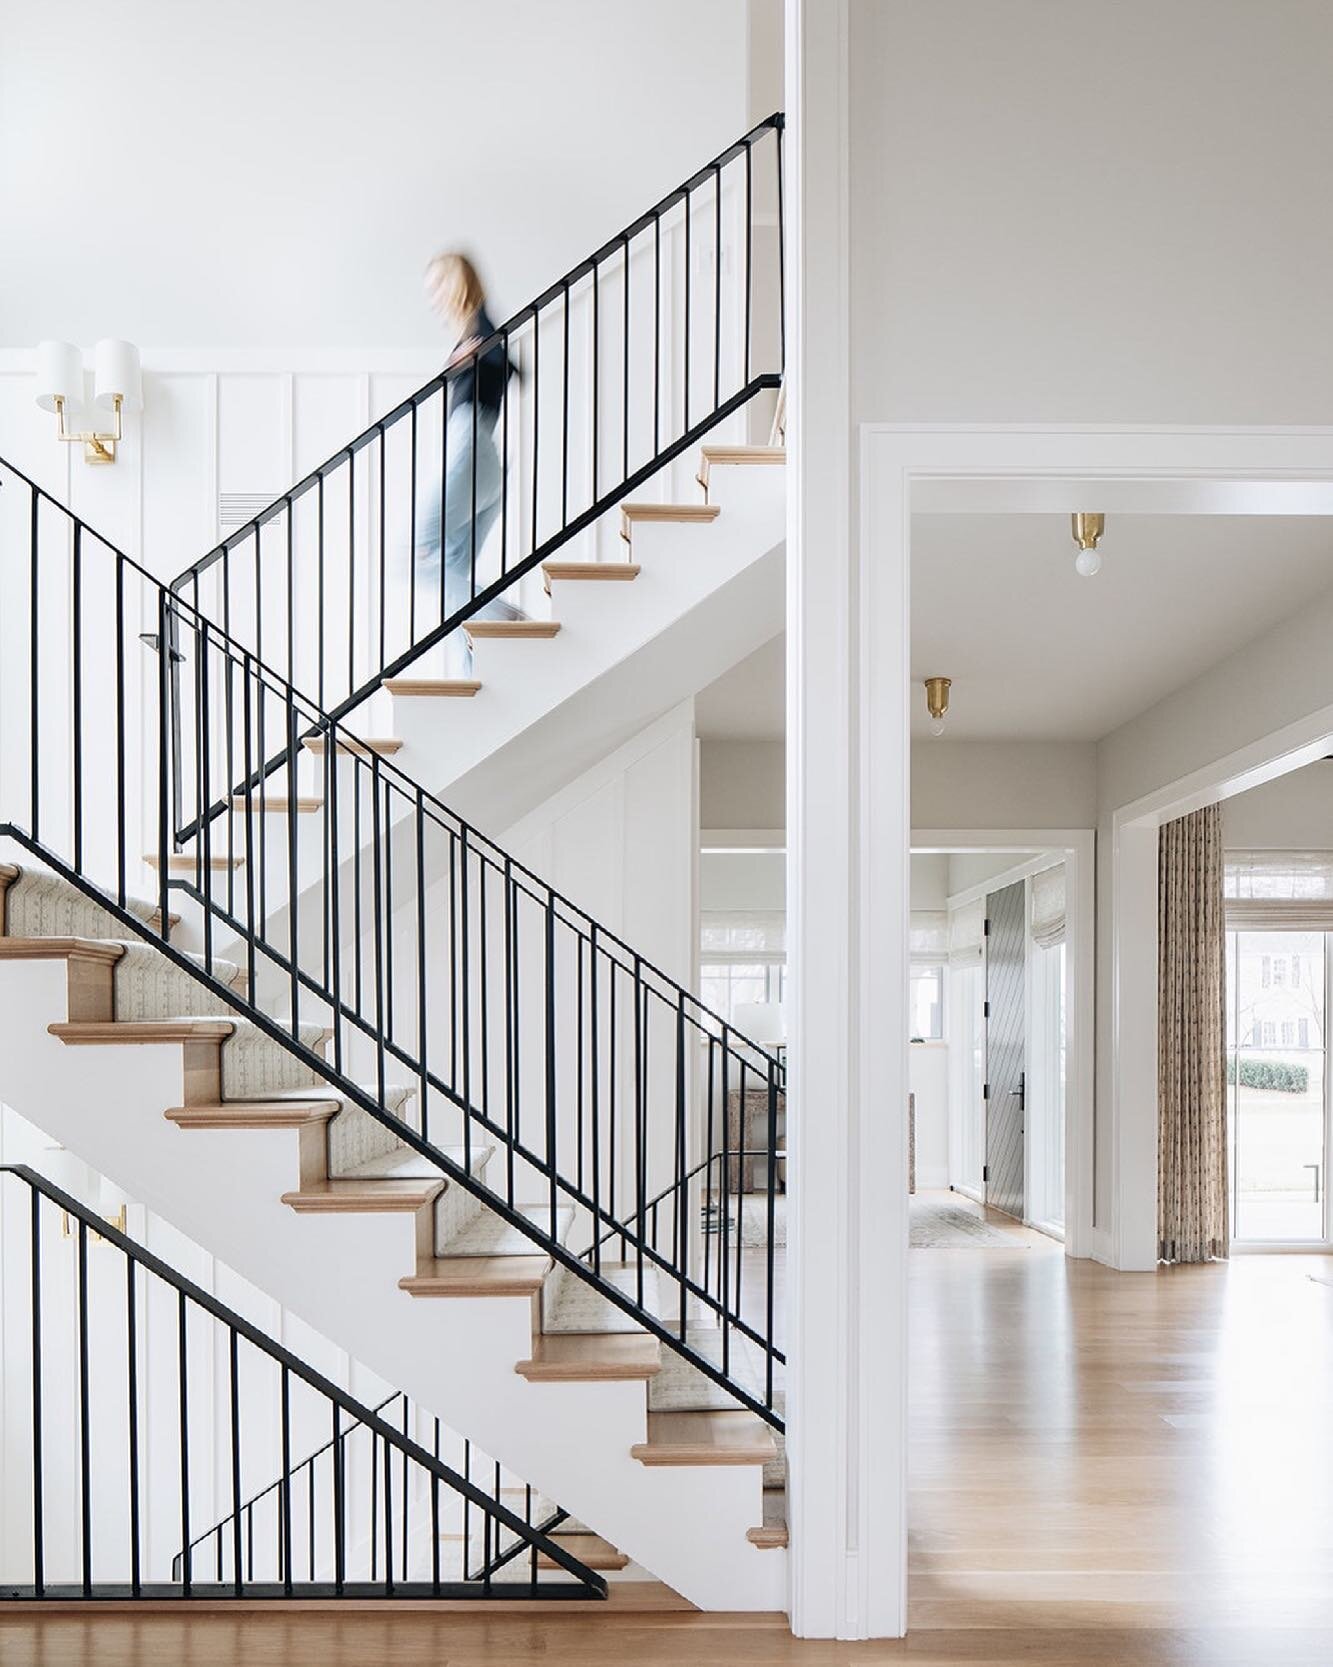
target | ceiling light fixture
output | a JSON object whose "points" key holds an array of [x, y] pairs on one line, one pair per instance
{"points": [[937, 702], [1087, 529]]}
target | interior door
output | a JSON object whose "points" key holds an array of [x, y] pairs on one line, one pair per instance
{"points": [[1006, 1048]]}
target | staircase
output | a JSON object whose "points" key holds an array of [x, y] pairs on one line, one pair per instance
{"points": [[348, 1043]]}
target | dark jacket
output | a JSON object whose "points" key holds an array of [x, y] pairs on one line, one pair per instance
{"points": [[483, 380]]}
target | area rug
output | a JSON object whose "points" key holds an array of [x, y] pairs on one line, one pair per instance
{"points": [[939, 1226]]}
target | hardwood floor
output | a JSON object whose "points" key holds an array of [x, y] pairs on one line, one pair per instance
{"points": [[1106, 1469]]}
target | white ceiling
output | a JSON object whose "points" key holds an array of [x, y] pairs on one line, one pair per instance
{"points": [[747, 703], [1037, 652]]}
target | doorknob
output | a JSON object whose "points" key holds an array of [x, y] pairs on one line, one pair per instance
{"points": [[1020, 1093]]}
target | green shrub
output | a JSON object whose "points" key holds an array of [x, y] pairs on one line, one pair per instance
{"points": [[1272, 1074]]}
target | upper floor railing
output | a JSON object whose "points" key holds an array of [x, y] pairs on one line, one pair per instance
{"points": [[530, 1053], [519, 446]]}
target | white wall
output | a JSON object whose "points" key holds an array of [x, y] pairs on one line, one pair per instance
{"points": [[1275, 679], [207, 428], [742, 784], [930, 880], [1081, 212], [928, 1078], [1009, 784], [278, 176], [1293, 813], [743, 880]]}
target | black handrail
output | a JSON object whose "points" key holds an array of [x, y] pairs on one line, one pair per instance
{"points": [[94, 1549], [615, 380], [429, 953]]}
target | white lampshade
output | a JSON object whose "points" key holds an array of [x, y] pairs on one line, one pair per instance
{"points": [[760, 1021], [59, 374], [116, 371]]}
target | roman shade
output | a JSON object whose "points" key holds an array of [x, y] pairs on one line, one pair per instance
{"points": [[1279, 889], [1048, 907], [967, 933]]}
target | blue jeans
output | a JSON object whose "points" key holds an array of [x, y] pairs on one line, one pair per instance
{"points": [[471, 496]]}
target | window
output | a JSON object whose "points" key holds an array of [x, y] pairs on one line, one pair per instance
{"points": [[926, 1004], [1277, 1112], [742, 958]]}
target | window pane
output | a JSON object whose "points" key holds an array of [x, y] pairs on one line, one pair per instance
{"points": [[926, 1013]]}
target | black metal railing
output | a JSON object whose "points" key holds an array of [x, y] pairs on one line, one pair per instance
{"points": [[135, 1400], [484, 1545], [612, 1105], [442, 505]]}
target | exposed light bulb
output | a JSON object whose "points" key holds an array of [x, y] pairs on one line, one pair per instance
{"points": [[937, 728], [1087, 563]]}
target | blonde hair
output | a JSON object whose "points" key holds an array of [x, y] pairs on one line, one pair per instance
{"points": [[453, 285]]}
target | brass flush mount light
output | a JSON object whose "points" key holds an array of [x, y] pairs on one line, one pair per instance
{"points": [[937, 702], [1087, 530]]}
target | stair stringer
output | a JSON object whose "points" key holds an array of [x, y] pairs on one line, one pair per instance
{"points": [[340, 1273]]}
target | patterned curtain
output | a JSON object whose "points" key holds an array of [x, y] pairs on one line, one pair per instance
{"points": [[1191, 1045]]}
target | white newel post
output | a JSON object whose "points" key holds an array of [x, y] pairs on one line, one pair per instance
{"points": [[847, 899]]}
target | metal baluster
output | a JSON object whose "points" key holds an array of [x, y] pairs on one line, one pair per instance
{"points": [[285, 1485], [595, 1053], [76, 657], [183, 1418], [233, 1363], [552, 1158], [132, 1405], [85, 1432], [717, 287], [339, 1507]]}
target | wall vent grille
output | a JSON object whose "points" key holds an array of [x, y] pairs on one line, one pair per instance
{"points": [[236, 508]]}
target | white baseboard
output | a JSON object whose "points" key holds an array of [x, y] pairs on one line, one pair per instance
{"points": [[932, 1180], [1099, 1246]]}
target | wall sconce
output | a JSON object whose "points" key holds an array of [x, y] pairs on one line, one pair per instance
{"points": [[117, 387]]}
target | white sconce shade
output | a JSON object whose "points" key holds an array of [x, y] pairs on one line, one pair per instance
{"points": [[59, 374], [116, 372]]}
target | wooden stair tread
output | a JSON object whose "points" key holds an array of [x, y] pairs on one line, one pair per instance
{"points": [[477, 1276], [144, 1030], [591, 1550], [52, 949], [445, 687], [277, 804], [772, 1533], [253, 1114], [359, 746], [706, 1438], [181, 862], [743, 454], [591, 1357], [653, 513], [363, 1196], [556, 570], [519, 628]]}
